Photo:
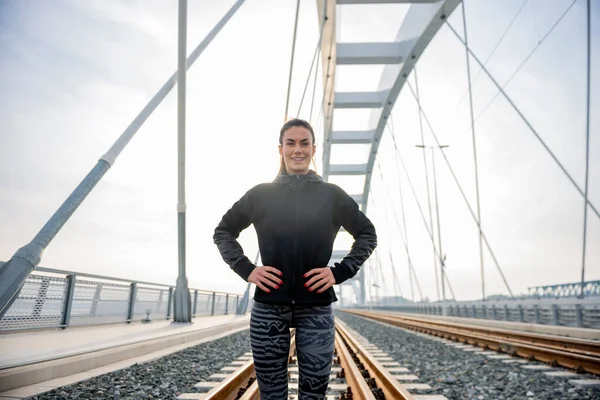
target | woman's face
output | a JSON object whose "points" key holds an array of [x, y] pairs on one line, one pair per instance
{"points": [[297, 149]]}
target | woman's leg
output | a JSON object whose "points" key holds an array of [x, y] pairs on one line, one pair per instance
{"points": [[270, 338], [315, 334]]}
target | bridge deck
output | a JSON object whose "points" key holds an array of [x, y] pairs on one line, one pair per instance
{"points": [[31, 347]]}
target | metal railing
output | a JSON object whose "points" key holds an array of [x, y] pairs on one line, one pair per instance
{"points": [[52, 298], [583, 313]]}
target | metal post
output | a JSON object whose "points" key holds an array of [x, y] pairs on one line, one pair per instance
{"points": [[243, 306], [40, 299], [96, 300], [195, 302], [437, 208], [578, 315], [160, 299], [437, 286], [363, 288], [536, 310], [69, 292], [14, 273], [437, 212], [587, 149], [213, 303], [131, 304], [474, 151], [521, 313], [182, 293], [404, 236], [287, 101], [170, 303], [227, 304]]}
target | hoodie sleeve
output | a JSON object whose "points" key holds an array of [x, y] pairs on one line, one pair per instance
{"points": [[235, 220], [365, 239]]}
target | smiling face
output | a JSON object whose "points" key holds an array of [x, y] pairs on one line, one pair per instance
{"points": [[297, 149]]}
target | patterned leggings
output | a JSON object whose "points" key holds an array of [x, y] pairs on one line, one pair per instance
{"points": [[270, 336]]}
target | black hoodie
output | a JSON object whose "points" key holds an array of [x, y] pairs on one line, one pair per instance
{"points": [[296, 218]]}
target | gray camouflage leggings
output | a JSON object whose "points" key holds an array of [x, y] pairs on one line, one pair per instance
{"points": [[270, 336]]}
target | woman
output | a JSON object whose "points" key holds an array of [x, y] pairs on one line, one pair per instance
{"points": [[296, 217]]}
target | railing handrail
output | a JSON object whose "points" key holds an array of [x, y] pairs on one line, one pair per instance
{"points": [[108, 278], [55, 298]]}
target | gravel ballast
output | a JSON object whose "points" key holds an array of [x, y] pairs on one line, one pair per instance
{"points": [[163, 378], [461, 375]]}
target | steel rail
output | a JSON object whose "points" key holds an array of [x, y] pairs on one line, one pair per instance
{"points": [[242, 384], [564, 358], [357, 384], [575, 345], [392, 389], [228, 389]]}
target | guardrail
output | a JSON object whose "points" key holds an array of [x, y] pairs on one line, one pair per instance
{"points": [[52, 298], [582, 313]]}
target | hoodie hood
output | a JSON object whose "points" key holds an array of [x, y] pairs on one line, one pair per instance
{"points": [[287, 179]]}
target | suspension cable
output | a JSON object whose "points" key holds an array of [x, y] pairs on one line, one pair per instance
{"points": [[390, 245], [322, 23], [495, 48], [404, 239], [463, 194], [372, 266], [528, 124], [406, 231], [489, 103], [287, 100], [397, 293], [314, 91], [410, 277], [474, 150], [396, 279], [437, 285], [312, 64], [383, 282], [412, 272], [399, 157], [587, 142], [378, 265]]}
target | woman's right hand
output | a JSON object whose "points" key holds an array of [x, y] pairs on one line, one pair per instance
{"points": [[265, 276]]}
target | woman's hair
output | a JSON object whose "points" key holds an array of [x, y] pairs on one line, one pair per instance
{"points": [[290, 124]]}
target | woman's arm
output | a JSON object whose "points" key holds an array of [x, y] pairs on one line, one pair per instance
{"points": [[365, 239], [235, 220]]}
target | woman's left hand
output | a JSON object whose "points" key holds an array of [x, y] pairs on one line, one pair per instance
{"points": [[322, 277]]}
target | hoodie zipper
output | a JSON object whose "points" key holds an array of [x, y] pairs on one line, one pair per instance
{"points": [[295, 239]]}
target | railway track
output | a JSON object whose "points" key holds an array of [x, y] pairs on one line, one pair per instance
{"points": [[356, 362], [578, 354]]}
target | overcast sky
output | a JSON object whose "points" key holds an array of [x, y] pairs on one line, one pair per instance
{"points": [[75, 74]]}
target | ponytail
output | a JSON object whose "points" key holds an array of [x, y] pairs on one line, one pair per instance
{"points": [[282, 170]]}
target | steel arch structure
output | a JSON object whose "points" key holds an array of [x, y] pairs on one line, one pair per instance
{"points": [[422, 21]]}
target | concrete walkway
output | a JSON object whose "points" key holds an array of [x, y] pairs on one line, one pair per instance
{"points": [[17, 349], [34, 362]]}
